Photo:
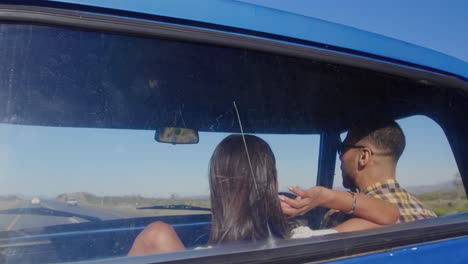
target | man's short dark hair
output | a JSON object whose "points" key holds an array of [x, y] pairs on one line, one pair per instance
{"points": [[384, 134]]}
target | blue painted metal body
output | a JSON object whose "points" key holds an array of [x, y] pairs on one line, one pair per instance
{"points": [[271, 21], [447, 251]]}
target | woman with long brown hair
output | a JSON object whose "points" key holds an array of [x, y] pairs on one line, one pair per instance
{"points": [[244, 192]]}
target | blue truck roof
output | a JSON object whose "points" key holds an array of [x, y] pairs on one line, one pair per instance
{"points": [[267, 20]]}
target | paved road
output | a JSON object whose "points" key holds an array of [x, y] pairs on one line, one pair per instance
{"points": [[21, 221]]}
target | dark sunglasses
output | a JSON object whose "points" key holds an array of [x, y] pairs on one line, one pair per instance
{"points": [[342, 148]]}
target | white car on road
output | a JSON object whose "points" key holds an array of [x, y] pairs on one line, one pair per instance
{"points": [[72, 202], [35, 200]]}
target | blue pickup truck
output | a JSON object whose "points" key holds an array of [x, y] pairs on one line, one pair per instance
{"points": [[85, 85]]}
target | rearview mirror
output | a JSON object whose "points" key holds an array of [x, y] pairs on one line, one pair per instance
{"points": [[176, 135]]}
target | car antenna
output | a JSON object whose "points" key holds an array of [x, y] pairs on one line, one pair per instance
{"points": [[245, 146], [270, 240]]}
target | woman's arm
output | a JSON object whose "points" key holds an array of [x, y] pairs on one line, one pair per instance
{"points": [[366, 207]]}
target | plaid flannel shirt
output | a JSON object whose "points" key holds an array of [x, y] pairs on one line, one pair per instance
{"points": [[411, 209]]}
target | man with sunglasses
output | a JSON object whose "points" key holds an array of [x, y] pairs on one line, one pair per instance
{"points": [[369, 156]]}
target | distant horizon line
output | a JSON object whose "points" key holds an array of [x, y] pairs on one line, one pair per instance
{"points": [[412, 188]]}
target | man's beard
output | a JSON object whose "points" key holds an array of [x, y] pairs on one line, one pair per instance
{"points": [[348, 183]]}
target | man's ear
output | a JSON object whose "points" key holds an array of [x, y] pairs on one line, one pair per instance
{"points": [[365, 156]]}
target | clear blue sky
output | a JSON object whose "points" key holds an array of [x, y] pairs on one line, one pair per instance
{"points": [[49, 161]]}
